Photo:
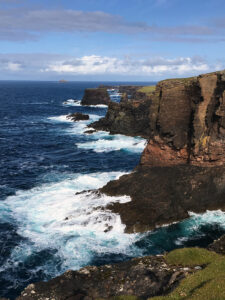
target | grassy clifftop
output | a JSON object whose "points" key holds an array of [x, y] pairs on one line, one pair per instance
{"points": [[206, 284]]}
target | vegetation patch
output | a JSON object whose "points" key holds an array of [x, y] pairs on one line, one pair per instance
{"points": [[206, 284], [147, 89]]}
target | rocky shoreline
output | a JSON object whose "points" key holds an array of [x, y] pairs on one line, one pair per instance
{"points": [[181, 170], [139, 278]]}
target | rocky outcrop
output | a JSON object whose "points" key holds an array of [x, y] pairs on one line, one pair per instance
{"points": [[131, 118], [218, 246], [95, 96], [182, 167], [163, 195], [187, 121], [144, 277], [77, 117]]}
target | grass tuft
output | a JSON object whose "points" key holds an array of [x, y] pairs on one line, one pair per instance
{"points": [[206, 284]]}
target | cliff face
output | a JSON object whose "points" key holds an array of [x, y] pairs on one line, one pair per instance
{"points": [[163, 195], [182, 168], [131, 118], [95, 96], [187, 122]]}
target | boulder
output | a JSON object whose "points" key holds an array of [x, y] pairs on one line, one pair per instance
{"points": [[77, 117]]}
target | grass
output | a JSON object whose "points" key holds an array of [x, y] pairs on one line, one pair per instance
{"points": [[147, 89], [206, 284]]}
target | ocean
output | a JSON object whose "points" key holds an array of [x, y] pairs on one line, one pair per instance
{"points": [[51, 217]]}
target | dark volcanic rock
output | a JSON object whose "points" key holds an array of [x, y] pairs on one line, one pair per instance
{"points": [[144, 277], [131, 118], [218, 245], [95, 96], [162, 195], [78, 117]]}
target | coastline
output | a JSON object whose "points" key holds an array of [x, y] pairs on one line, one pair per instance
{"points": [[139, 214]]}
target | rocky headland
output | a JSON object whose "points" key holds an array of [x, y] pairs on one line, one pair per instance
{"points": [[182, 167], [181, 170]]}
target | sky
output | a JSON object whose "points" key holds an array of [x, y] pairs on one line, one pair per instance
{"points": [[110, 40]]}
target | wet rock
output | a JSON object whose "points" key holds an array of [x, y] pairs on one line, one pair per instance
{"points": [[78, 117], [90, 131]]}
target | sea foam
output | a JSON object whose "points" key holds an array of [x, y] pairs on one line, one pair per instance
{"points": [[75, 225], [72, 102], [103, 142]]}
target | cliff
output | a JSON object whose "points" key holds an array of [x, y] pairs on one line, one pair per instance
{"points": [[163, 195], [131, 118], [95, 96], [184, 120], [187, 122], [182, 167]]}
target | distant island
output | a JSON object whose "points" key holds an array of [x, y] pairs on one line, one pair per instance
{"points": [[63, 81]]}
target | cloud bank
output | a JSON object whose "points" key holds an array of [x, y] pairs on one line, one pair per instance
{"points": [[57, 66], [94, 64]]}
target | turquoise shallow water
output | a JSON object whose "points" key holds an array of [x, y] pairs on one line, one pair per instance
{"points": [[45, 227]]}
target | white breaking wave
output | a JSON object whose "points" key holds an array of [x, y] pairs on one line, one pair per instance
{"points": [[72, 102], [98, 106], [114, 143], [77, 225], [101, 141], [78, 127], [196, 221]]}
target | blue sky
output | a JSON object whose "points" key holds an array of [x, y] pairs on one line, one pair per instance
{"points": [[110, 40]]}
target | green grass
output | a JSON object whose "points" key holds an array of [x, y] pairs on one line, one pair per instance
{"points": [[147, 89], [206, 284]]}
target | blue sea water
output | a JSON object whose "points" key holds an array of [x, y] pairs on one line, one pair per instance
{"points": [[50, 220]]}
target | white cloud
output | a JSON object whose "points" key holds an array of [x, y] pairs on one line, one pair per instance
{"points": [[12, 66], [94, 64]]}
